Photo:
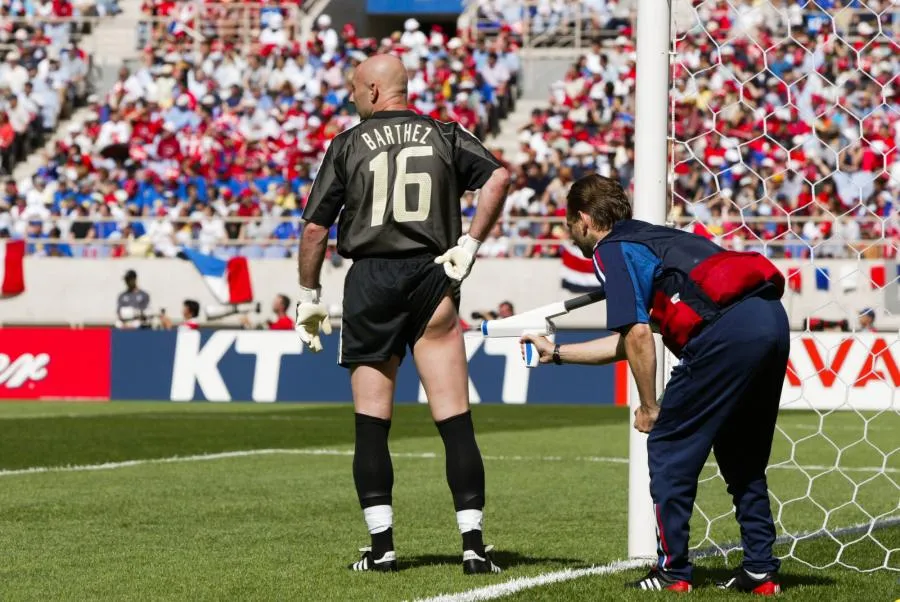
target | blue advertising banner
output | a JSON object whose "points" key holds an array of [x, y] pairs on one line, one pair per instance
{"points": [[414, 7], [264, 366]]}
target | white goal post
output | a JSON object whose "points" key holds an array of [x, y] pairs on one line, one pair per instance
{"points": [[834, 475], [650, 193]]}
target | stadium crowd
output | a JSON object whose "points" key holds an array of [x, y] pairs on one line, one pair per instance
{"points": [[204, 132], [552, 18], [44, 72], [820, 148]]}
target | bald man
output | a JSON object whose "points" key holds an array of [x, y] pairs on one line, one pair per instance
{"points": [[395, 180]]}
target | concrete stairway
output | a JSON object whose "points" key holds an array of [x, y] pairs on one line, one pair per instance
{"points": [[507, 140]]}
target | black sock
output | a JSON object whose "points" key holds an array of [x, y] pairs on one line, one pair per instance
{"points": [[373, 473], [381, 543], [472, 541], [465, 470]]}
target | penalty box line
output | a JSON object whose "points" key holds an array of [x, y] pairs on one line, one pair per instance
{"points": [[411, 455]]}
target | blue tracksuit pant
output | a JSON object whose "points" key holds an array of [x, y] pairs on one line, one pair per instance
{"points": [[723, 397]]}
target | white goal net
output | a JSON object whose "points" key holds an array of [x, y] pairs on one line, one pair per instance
{"points": [[785, 139]]}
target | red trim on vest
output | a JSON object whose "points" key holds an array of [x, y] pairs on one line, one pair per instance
{"points": [[726, 277], [678, 322]]}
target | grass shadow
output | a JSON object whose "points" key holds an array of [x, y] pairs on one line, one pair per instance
{"points": [[504, 559], [708, 577]]}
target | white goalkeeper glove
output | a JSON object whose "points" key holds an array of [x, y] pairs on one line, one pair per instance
{"points": [[458, 261], [312, 317]]}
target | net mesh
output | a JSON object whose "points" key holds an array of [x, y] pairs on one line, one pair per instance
{"points": [[785, 117]]}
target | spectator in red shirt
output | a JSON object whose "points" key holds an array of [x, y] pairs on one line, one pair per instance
{"points": [[248, 206], [282, 320], [7, 133], [169, 147], [190, 311]]}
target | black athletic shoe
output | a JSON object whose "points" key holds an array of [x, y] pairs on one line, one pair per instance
{"points": [[658, 580], [385, 564], [473, 564], [740, 580]]}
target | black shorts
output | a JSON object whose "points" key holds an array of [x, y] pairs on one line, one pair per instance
{"points": [[387, 305]]}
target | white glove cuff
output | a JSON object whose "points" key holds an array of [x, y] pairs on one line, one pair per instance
{"points": [[469, 244], [310, 295]]}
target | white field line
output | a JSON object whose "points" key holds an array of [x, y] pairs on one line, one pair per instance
{"points": [[412, 455], [500, 590], [490, 592]]}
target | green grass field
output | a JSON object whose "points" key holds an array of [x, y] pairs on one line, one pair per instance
{"points": [[281, 525]]}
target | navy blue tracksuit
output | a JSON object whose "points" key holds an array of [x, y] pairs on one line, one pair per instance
{"points": [[720, 313]]}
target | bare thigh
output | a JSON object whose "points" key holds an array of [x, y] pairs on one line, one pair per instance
{"points": [[373, 388], [440, 357]]}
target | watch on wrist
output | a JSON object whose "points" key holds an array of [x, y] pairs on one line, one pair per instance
{"points": [[556, 359]]}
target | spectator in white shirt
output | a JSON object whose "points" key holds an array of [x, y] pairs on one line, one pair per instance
{"points": [[39, 194], [229, 72], [46, 97], [162, 237], [212, 230], [413, 38], [29, 100], [496, 244], [593, 58], [495, 73], [164, 86], [18, 115], [114, 131], [274, 34], [12, 73], [326, 34], [75, 136]]}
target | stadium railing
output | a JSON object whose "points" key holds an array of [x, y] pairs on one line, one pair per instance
{"points": [[732, 233], [575, 28], [234, 23]]}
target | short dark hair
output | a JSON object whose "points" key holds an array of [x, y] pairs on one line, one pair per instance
{"points": [[193, 307], [603, 199], [285, 301]]}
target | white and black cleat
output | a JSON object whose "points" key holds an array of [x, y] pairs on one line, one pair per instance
{"points": [[473, 564], [385, 564], [766, 584], [658, 580]]}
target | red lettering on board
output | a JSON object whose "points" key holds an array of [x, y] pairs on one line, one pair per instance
{"points": [[879, 352], [827, 374]]}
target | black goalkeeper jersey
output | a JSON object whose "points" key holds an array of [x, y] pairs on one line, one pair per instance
{"points": [[398, 177]]}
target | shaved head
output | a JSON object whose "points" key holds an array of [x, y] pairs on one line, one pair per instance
{"points": [[379, 84]]}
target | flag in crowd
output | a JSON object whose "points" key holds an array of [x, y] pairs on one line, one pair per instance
{"points": [[577, 272], [12, 271], [228, 280]]}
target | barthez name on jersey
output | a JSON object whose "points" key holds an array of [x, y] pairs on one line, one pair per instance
{"points": [[396, 134]]}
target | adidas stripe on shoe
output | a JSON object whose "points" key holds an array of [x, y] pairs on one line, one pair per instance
{"points": [[473, 564], [385, 564], [742, 581], [657, 580]]}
